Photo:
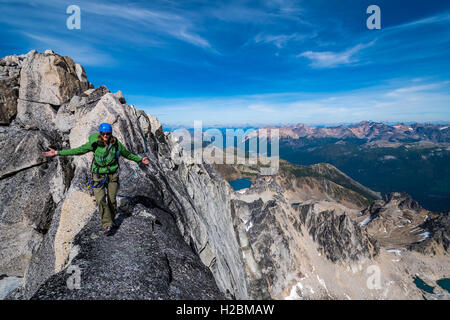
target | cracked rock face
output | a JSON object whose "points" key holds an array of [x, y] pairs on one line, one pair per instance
{"points": [[27, 205]]}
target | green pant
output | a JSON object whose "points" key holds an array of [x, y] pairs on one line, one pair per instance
{"points": [[106, 197]]}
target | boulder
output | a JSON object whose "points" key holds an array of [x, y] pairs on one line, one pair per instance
{"points": [[51, 79]]}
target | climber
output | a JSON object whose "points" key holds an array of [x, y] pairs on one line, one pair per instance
{"points": [[107, 150]]}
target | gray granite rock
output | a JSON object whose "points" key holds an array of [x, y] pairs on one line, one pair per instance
{"points": [[50, 78]]}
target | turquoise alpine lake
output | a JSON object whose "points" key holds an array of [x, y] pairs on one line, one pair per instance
{"points": [[444, 284], [239, 184], [422, 285]]}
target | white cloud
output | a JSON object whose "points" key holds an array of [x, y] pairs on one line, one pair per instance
{"points": [[414, 89], [330, 59], [409, 103], [176, 25]]}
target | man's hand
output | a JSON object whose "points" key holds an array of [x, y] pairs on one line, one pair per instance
{"points": [[50, 153], [145, 160]]}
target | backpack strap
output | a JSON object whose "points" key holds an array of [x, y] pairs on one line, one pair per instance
{"points": [[95, 146]]}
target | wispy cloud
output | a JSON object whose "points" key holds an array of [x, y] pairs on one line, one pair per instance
{"points": [[281, 40], [328, 59], [81, 53], [379, 103], [175, 25], [416, 89], [443, 18]]}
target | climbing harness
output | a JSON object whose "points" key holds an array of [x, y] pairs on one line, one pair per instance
{"points": [[90, 184], [102, 159]]}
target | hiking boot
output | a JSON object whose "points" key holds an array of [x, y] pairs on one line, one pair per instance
{"points": [[107, 230]]}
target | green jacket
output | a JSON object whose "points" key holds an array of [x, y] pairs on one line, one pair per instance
{"points": [[102, 164]]}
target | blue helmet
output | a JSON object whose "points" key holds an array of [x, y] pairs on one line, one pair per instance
{"points": [[105, 127]]}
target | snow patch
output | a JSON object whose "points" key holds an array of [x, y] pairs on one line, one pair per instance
{"points": [[396, 251], [242, 191], [248, 225], [299, 287], [424, 235], [366, 221], [293, 295]]}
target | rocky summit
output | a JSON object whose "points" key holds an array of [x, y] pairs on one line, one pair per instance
{"points": [[306, 232]]}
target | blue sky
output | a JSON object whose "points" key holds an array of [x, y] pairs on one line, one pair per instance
{"points": [[255, 62]]}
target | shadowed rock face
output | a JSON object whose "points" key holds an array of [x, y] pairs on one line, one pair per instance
{"points": [[339, 237], [438, 243], [145, 258]]}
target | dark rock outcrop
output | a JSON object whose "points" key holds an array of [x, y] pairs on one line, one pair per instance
{"points": [[339, 237], [438, 243], [145, 258], [395, 221]]}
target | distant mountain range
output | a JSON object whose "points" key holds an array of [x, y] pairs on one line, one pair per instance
{"points": [[386, 158], [369, 131]]}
